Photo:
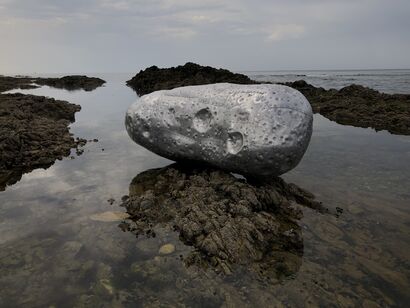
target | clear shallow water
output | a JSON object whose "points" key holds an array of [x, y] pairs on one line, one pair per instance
{"points": [[53, 253]]}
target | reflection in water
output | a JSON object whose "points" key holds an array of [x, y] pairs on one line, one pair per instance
{"points": [[228, 221], [60, 247], [10, 177]]}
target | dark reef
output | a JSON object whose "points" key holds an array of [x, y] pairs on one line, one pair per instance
{"points": [[33, 134], [34, 130], [154, 78], [9, 83], [74, 82], [229, 221], [359, 106], [353, 105]]}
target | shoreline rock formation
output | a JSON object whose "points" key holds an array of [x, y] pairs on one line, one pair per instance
{"points": [[71, 83], [230, 222], [34, 130], [359, 106], [33, 134], [353, 105], [153, 78]]}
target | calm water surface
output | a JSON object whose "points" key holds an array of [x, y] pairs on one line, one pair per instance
{"points": [[54, 253]]}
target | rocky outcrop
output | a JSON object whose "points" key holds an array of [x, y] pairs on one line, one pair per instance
{"points": [[230, 222], [73, 82], [33, 131], [8, 83], [359, 106], [154, 78]]}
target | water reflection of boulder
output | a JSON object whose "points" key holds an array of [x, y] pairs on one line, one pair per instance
{"points": [[230, 222]]}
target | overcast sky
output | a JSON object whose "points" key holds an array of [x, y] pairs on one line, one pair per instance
{"points": [[73, 36]]}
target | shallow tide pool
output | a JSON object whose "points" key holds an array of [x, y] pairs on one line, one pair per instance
{"points": [[59, 247]]}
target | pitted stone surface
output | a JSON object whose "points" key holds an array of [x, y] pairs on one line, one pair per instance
{"points": [[258, 130]]}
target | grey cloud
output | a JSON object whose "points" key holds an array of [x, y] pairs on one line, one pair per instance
{"points": [[103, 35]]}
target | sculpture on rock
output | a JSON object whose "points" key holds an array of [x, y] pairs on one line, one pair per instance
{"points": [[254, 130]]}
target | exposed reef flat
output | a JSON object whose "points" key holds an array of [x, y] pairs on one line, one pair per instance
{"points": [[9, 83], [34, 131], [360, 106], [33, 134], [353, 105], [74, 82], [230, 222], [154, 78]]}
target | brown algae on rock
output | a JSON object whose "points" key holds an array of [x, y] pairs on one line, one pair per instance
{"points": [[228, 221], [34, 130]]}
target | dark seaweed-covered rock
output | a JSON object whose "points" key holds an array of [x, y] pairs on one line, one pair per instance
{"points": [[73, 82], [359, 106], [228, 221], [33, 131], [154, 78], [8, 83]]}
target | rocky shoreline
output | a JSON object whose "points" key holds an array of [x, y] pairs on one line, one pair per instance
{"points": [[71, 83], [154, 78], [34, 130], [230, 222], [353, 105], [359, 106]]}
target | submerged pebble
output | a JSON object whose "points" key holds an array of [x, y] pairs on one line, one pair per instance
{"points": [[109, 216], [166, 249]]}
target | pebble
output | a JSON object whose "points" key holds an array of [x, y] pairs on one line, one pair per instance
{"points": [[166, 249], [109, 216]]}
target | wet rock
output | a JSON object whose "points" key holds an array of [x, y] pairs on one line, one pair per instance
{"points": [[8, 83], [109, 216], [229, 222], [33, 134], [154, 78], [258, 130], [73, 82], [166, 249], [34, 130], [359, 106]]}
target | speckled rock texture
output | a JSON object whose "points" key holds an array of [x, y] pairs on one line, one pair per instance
{"points": [[34, 132], [255, 130], [154, 78]]}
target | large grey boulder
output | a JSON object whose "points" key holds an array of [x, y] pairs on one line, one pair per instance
{"points": [[257, 130]]}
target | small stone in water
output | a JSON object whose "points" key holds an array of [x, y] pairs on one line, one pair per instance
{"points": [[109, 216], [166, 249]]}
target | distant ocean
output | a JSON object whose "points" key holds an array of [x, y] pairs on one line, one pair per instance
{"points": [[388, 81]]}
